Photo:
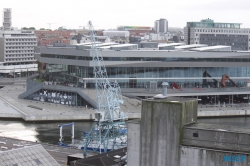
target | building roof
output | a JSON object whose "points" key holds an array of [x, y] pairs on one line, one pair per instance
{"points": [[124, 45], [105, 44], [88, 43], [171, 44], [105, 47], [210, 48], [27, 155], [190, 46]]}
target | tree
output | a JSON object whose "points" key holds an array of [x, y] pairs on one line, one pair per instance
{"points": [[42, 28], [32, 28], [24, 28]]}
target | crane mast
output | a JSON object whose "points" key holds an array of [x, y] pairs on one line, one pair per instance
{"points": [[108, 93], [110, 131]]}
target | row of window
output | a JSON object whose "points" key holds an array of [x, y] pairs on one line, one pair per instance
{"points": [[221, 31], [20, 39], [148, 72], [22, 35], [19, 51], [11, 48], [218, 39], [223, 35], [19, 55], [148, 59], [9, 44], [21, 59], [33, 43], [18, 63], [25, 47], [31, 50]]}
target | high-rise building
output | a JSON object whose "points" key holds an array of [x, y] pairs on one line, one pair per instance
{"points": [[16, 49], [6, 19], [211, 33], [161, 26]]}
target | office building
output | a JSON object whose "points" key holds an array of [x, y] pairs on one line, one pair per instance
{"points": [[212, 33], [161, 26], [16, 49]]}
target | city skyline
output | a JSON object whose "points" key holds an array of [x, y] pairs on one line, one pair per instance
{"points": [[110, 14]]}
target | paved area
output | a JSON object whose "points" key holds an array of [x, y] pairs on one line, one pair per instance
{"points": [[51, 111], [131, 106], [10, 81], [13, 107]]}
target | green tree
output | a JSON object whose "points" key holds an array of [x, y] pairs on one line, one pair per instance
{"points": [[42, 28], [32, 28]]}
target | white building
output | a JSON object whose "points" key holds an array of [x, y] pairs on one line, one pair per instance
{"points": [[156, 37], [117, 36], [16, 49]]}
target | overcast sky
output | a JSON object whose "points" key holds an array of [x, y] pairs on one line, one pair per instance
{"points": [[112, 13]]}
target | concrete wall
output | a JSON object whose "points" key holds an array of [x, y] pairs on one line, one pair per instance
{"points": [[161, 129], [133, 142], [217, 136], [192, 156], [170, 136]]}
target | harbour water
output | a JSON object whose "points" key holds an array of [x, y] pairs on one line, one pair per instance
{"points": [[45, 132], [48, 132]]}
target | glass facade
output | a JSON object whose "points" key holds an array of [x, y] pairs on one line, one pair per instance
{"points": [[168, 59], [75, 75]]}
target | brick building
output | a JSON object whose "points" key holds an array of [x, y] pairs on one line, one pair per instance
{"points": [[48, 37]]}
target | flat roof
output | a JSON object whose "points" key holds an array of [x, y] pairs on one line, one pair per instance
{"points": [[171, 44], [105, 47], [209, 48], [105, 44], [88, 43], [191, 46], [124, 45]]}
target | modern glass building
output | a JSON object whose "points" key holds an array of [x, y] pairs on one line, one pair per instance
{"points": [[137, 68]]}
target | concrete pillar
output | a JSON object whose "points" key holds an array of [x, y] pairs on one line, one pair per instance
{"points": [[133, 146], [161, 129], [85, 84]]}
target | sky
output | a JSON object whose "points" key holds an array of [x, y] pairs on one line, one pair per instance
{"points": [[108, 14]]}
